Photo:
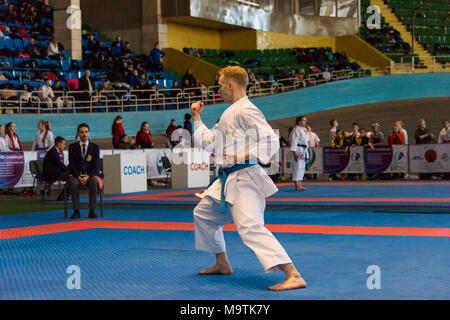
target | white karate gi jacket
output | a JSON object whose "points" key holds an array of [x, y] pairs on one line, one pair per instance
{"points": [[38, 142], [228, 136]]}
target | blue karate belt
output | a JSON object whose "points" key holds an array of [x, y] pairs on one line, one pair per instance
{"points": [[306, 155], [223, 174]]}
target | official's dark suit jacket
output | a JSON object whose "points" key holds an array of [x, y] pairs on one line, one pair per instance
{"points": [[54, 169], [84, 85], [90, 165]]}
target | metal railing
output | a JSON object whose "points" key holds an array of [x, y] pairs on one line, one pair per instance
{"points": [[16, 101]]}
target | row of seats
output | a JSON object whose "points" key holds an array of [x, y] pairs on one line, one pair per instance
{"points": [[18, 44], [415, 4], [432, 31]]}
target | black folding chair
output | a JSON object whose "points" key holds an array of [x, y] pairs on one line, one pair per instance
{"points": [[37, 172], [167, 166]]}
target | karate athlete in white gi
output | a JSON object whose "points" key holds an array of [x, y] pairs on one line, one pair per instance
{"points": [[241, 138], [299, 147]]}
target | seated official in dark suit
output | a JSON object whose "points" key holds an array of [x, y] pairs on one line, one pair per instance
{"points": [[54, 168], [84, 166]]}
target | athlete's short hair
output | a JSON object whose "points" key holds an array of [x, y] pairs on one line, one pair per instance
{"points": [[236, 74]]}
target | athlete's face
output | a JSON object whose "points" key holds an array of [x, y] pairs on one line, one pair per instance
{"points": [[225, 89]]}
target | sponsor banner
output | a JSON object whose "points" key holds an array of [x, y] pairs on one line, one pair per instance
{"points": [[155, 167], [315, 165], [12, 165], [342, 161], [386, 159], [429, 158]]}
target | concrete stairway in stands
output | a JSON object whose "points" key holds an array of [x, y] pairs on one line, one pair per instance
{"points": [[426, 59]]}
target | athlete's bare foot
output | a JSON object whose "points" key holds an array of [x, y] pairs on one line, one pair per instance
{"points": [[222, 266], [224, 269], [293, 282], [302, 189]]}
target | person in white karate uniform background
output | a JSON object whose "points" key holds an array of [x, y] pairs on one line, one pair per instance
{"points": [[240, 139], [3, 144], [44, 139], [299, 140]]}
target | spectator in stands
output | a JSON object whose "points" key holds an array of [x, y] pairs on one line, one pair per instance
{"points": [[84, 166], [116, 50], [422, 134], [126, 58], [33, 50], [3, 144], [119, 41], [355, 127], [135, 79], [314, 140], [338, 140], [361, 138], [12, 14], [155, 57], [251, 77], [401, 125], [396, 136], [348, 140], [117, 131], [187, 123], [334, 125], [444, 135], [377, 136], [127, 143], [46, 95], [301, 74], [201, 90], [171, 128], [144, 137], [86, 87], [53, 50], [186, 84], [54, 168], [126, 49], [326, 75], [44, 137], [11, 137], [188, 76], [58, 92], [34, 17]]}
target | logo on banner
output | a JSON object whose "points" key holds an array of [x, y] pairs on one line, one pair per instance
{"points": [[399, 156], [444, 157], [430, 156], [356, 156], [159, 165]]}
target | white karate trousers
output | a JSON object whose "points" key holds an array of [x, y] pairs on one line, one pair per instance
{"points": [[299, 167], [247, 213]]}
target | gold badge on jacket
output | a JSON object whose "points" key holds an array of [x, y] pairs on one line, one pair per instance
{"points": [[89, 158]]}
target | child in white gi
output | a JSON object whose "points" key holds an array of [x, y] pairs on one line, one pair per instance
{"points": [[300, 151]]}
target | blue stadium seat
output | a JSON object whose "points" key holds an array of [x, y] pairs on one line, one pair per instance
{"points": [[9, 43], [18, 44], [2, 43], [65, 65], [26, 43]]}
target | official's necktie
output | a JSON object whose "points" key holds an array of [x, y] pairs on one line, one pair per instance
{"points": [[84, 150]]}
